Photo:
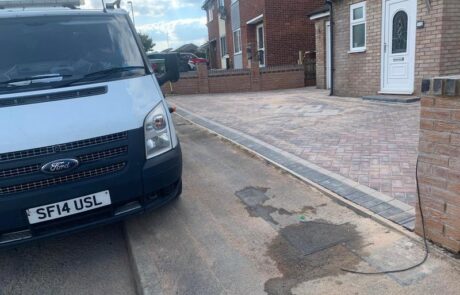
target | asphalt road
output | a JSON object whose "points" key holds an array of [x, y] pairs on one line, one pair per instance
{"points": [[244, 227], [90, 262]]}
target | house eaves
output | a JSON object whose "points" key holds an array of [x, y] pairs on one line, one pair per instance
{"points": [[323, 11], [255, 20]]}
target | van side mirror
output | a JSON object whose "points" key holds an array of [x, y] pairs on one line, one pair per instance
{"points": [[171, 67]]}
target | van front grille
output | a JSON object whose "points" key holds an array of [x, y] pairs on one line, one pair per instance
{"points": [[61, 179], [19, 171], [103, 154], [62, 147]]}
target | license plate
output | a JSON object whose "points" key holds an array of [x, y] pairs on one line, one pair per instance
{"points": [[69, 207]]}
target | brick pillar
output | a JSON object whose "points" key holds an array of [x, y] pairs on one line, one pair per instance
{"points": [[439, 163], [203, 78], [256, 83]]}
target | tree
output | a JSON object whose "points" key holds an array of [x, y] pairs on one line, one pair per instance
{"points": [[147, 42]]}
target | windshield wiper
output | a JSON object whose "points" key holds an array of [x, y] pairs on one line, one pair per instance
{"points": [[25, 81], [100, 74]]}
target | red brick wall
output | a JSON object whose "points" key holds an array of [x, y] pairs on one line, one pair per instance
{"points": [[286, 25], [222, 81], [230, 82], [249, 10], [428, 48], [187, 85], [288, 30], [450, 51], [283, 77], [439, 167]]}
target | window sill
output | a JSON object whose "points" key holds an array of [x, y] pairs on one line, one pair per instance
{"points": [[357, 51]]}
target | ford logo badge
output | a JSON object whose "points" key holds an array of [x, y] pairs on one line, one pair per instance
{"points": [[60, 166]]}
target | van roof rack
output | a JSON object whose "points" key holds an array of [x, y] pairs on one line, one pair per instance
{"points": [[40, 3]]}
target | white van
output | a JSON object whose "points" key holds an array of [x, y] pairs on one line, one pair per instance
{"points": [[86, 137]]}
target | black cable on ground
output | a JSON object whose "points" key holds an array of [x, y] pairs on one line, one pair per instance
{"points": [[424, 241]]}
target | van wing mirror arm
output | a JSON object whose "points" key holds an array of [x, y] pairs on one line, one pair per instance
{"points": [[172, 73]]}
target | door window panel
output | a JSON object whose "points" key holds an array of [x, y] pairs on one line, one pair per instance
{"points": [[399, 37]]}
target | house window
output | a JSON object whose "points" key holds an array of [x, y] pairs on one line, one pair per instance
{"points": [[223, 46], [221, 3], [358, 27], [237, 41], [210, 12]]}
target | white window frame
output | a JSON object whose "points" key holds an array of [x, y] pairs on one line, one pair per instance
{"points": [[237, 41], [210, 12], [358, 22]]}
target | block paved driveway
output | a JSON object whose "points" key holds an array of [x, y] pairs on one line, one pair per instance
{"points": [[372, 143]]}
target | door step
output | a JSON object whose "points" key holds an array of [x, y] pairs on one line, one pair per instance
{"points": [[392, 98]]}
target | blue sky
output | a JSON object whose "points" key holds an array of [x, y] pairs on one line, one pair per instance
{"points": [[182, 21]]}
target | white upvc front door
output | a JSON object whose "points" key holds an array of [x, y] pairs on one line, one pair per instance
{"points": [[261, 44], [398, 46]]}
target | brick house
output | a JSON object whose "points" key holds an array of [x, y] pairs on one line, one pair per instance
{"points": [[385, 46], [271, 31]]}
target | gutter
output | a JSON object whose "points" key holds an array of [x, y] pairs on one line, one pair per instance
{"points": [[331, 19]]}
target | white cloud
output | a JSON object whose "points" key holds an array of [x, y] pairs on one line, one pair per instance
{"points": [[170, 29], [170, 26], [160, 18], [148, 7]]}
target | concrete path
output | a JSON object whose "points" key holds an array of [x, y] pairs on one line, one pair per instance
{"points": [[90, 262], [244, 227], [371, 143]]}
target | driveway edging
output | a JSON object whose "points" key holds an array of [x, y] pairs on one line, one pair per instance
{"points": [[376, 205]]}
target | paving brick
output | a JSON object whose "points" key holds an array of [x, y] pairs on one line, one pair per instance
{"points": [[373, 144]]}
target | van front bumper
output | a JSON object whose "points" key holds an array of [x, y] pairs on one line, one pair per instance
{"points": [[141, 186]]}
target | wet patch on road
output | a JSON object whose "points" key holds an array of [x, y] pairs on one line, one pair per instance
{"points": [[306, 250], [311, 250], [254, 198]]}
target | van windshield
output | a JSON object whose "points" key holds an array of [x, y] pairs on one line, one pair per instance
{"points": [[49, 51]]}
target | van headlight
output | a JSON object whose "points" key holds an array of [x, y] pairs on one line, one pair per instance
{"points": [[156, 132]]}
